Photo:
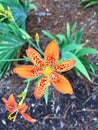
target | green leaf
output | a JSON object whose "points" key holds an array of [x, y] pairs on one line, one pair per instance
{"points": [[83, 0], [2, 10], [78, 73], [10, 44], [93, 74], [32, 6], [74, 27], [24, 34], [91, 4], [4, 27], [19, 9], [63, 41], [49, 35], [29, 5], [46, 95], [20, 16], [87, 64], [62, 38], [78, 37], [70, 47], [85, 51], [95, 67]]}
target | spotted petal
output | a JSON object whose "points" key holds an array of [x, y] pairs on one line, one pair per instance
{"points": [[27, 71], [65, 65], [35, 57], [61, 83], [41, 87], [51, 53]]}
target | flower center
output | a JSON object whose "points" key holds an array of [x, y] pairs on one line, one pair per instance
{"points": [[13, 115], [47, 70]]}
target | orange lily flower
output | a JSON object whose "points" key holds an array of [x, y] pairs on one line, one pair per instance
{"points": [[49, 68], [12, 107]]}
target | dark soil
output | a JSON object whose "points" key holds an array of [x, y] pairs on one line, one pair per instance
{"points": [[63, 112]]}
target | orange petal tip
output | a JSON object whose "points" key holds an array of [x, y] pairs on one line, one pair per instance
{"points": [[34, 120]]}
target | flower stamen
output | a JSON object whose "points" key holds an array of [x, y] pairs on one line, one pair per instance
{"points": [[12, 116], [47, 71]]}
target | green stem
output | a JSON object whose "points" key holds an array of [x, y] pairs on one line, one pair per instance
{"points": [[39, 47], [20, 59], [30, 41], [36, 47], [24, 93]]}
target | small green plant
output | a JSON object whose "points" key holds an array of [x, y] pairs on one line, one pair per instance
{"points": [[89, 2], [19, 9], [12, 39], [71, 47]]}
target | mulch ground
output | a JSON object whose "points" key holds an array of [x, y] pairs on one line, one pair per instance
{"points": [[63, 112]]}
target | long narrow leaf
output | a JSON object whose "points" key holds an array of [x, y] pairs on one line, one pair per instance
{"points": [[46, 95], [85, 51], [91, 4], [73, 27], [62, 38], [49, 35], [70, 47], [78, 37]]}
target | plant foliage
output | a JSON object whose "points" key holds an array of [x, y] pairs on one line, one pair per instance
{"points": [[19, 9], [89, 2], [71, 47], [12, 39]]}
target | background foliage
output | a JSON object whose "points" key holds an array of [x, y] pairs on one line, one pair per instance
{"points": [[19, 10], [72, 48], [89, 3], [13, 14]]}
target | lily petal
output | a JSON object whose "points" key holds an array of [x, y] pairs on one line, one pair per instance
{"points": [[5, 100], [65, 65], [10, 104], [27, 71], [35, 57], [52, 53], [9, 108], [61, 83], [12, 101], [28, 118], [7, 105], [23, 108], [41, 87]]}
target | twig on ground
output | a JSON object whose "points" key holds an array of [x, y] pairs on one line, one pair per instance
{"points": [[52, 117], [66, 111], [87, 110]]}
